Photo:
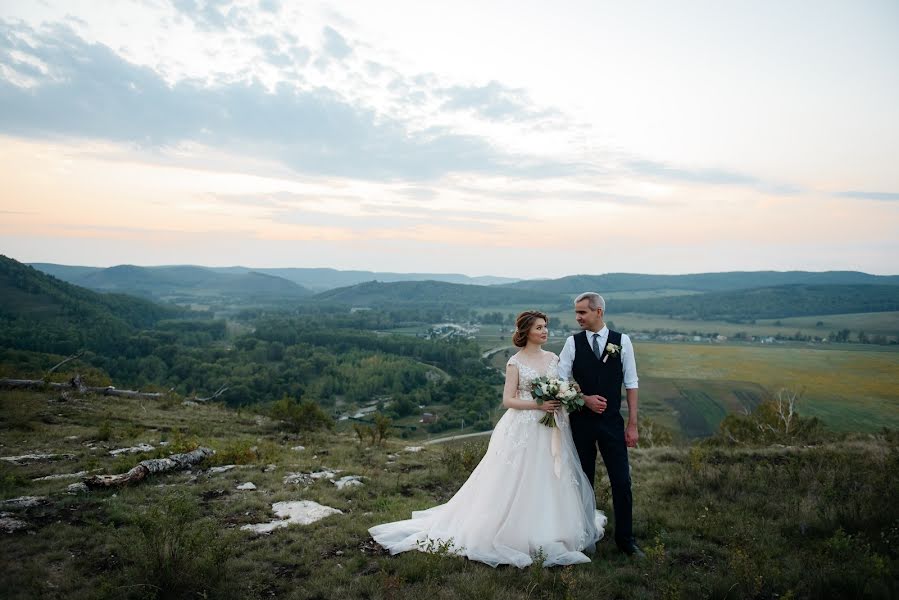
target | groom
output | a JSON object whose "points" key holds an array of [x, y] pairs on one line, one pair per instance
{"points": [[600, 360]]}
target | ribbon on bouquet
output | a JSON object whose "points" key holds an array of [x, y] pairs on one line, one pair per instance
{"points": [[556, 447]]}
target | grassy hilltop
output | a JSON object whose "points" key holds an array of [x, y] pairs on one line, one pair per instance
{"points": [[806, 517]]}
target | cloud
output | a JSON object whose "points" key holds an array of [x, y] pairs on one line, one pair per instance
{"points": [[493, 101], [267, 42], [710, 176], [335, 44], [354, 211], [208, 15], [89, 91], [271, 6], [559, 193], [294, 55], [885, 196]]}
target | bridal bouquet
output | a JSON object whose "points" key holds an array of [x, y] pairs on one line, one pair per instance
{"points": [[547, 389]]}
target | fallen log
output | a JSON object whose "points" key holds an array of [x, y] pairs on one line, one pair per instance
{"points": [[149, 467], [74, 384]]}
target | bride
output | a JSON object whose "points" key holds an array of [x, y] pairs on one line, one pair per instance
{"points": [[528, 497]]}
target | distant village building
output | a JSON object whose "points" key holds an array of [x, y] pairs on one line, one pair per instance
{"points": [[452, 330], [428, 418]]}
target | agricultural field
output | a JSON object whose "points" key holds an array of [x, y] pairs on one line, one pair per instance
{"points": [[691, 387], [876, 323], [850, 390], [879, 323]]}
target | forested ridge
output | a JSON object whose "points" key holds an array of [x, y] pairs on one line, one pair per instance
{"points": [[771, 302], [699, 282], [320, 354]]}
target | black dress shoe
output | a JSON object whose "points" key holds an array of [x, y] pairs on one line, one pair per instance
{"points": [[633, 550]]}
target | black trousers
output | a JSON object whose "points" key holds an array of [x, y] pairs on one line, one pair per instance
{"points": [[608, 437]]}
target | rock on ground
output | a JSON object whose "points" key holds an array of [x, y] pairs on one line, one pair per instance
{"points": [[301, 512], [307, 478], [221, 469], [61, 476], [24, 502], [348, 481], [26, 459], [9, 524], [133, 450]]}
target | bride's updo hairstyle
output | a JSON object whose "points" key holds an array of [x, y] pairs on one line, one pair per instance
{"points": [[523, 324]]}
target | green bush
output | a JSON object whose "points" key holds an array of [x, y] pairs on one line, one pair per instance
{"points": [[461, 459], [170, 552], [775, 420], [301, 416]]}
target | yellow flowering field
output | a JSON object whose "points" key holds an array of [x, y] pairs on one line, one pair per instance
{"points": [[848, 389]]}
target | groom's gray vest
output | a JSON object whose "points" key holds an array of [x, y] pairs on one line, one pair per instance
{"points": [[597, 377]]}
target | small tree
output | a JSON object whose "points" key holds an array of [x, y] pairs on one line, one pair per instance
{"points": [[381, 427], [301, 416]]}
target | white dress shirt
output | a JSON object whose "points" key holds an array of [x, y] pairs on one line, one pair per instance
{"points": [[628, 363]]}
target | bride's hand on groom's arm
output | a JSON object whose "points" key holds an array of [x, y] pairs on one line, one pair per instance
{"points": [[596, 403]]}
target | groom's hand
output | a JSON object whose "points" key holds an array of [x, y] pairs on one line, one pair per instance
{"points": [[596, 403], [631, 436]]}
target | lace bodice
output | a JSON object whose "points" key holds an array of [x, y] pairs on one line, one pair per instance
{"points": [[528, 372]]}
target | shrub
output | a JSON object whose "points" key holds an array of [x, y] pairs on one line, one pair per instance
{"points": [[461, 459], [775, 420], [104, 432], [172, 553], [301, 416]]}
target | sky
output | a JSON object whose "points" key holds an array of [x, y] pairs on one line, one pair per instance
{"points": [[520, 139]]}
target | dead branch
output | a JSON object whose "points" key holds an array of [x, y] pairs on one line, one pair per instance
{"points": [[149, 467], [786, 406], [220, 391], [73, 357]]}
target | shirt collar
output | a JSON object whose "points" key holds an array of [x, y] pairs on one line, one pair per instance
{"points": [[602, 332]]}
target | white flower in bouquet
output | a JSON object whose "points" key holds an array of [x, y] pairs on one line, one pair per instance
{"points": [[548, 389]]}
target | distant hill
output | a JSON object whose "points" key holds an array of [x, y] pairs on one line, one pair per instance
{"points": [[180, 282], [42, 313], [64, 272], [771, 302], [699, 282], [183, 276], [320, 280], [434, 293]]}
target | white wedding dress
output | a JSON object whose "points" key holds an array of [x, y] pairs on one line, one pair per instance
{"points": [[528, 495]]}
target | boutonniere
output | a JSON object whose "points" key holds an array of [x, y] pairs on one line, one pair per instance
{"points": [[611, 350]]}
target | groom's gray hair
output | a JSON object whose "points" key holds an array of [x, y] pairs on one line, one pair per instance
{"points": [[594, 300]]}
